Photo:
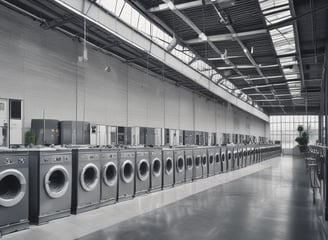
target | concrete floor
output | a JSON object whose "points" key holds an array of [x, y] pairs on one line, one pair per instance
{"points": [[270, 200]]}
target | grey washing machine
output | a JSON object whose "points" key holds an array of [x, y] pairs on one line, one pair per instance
{"points": [[253, 155], [85, 179], [245, 156], [235, 158], [198, 171], [126, 182], [179, 166], [249, 156], [240, 156], [217, 162], [14, 179], [189, 164], [108, 176], [258, 154], [211, 152], [50, 184], [204, 162], [229, 158], [224, 162], [168, 168], [155, 156], [142, 172]]}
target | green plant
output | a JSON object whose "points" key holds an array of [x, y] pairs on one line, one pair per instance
{"points": [[302, 139], [30, 137]]}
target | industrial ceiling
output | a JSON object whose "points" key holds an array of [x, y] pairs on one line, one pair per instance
{"points": [[269, 53]]}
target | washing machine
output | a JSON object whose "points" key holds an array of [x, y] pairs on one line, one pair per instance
{"points": [[14, 178], [217, 163], [85, 179], [253, 155], [142, 172], [108, 176], [257, 153], [189, 164], [126, 183], [240, 157], [249, 156], [179, 166], [50, 184], [235, 157], [197, 156], [224, 162], [211, 153], [245, 156], [229, 158], [155, 156], [168, 168], [204, 162]]}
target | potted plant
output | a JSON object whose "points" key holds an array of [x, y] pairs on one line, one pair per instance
{"points": [[302, 139], [30, 137]]}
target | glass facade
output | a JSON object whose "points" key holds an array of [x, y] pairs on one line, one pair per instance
{"points": [[284, 128]]}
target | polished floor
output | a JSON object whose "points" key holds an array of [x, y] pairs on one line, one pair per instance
{"points": [[270, 201]]}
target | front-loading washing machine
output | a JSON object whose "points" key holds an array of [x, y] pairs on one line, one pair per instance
{"points": [[85, 179], [217, 162], [235, 157], [155, 156], [240, 157], [126, 183], [189, 164], [229, 158], [14, 178], [197, 156], [224, 162], [142, 173], [179, 166], [249, 156], [108, 176], [245, 156], [211, 153], [204, 162], [168, 168], [50, 182], [253, 155]]}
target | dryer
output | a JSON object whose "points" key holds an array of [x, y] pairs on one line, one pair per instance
{"points": [[108, 176], [168, 168], [155, 156], [224, 162], [85, 179], [217, 162], [211, 153], [179, 166], [142, 173], [14, 178], [126, 183], [50, 182], [198, 171], [189, 164]]}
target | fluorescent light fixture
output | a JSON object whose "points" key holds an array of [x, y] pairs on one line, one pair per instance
{"points": [[202, 36], [171, 5]]}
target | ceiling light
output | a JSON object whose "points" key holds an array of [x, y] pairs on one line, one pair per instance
{"points": [[202, 36], [171, 5]]}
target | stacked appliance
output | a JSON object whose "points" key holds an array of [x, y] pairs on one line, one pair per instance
{"points": [[142, 179], [126, 183], [109, 176], [47, 131], [168, 168], [155, 157], [50, 182], [85, 179], [14, 178], [74, 132]]}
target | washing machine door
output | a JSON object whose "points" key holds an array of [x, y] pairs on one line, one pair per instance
{"points": [[211, 159], [204, 160], [197, 161], [180, 164], [56, 181], [110, 174], [189, 162], [127, 171], [89, 177], [217, 158], [156, 167], [12, 187], [143, 170], [168, 166]]}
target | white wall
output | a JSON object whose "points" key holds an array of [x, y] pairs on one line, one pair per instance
{"points": [[40, 67]]}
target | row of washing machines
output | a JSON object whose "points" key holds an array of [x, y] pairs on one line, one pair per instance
{"points": [[39, 185]]}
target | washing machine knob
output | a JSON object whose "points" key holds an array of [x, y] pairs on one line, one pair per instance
{"points": [[21, 160], [8, 161]]}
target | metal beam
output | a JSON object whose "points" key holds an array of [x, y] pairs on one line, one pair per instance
{"points": [[56, 22], [228, 36], [191, 4]]}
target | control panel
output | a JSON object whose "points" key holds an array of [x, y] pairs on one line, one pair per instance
{"points": [[56, 158], [127, 154], [7, 160]]}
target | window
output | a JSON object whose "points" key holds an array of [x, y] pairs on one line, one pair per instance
{"points": [[284, 129]]}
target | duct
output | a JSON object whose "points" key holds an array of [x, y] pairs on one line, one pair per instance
{"points": [[228, 37]]}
